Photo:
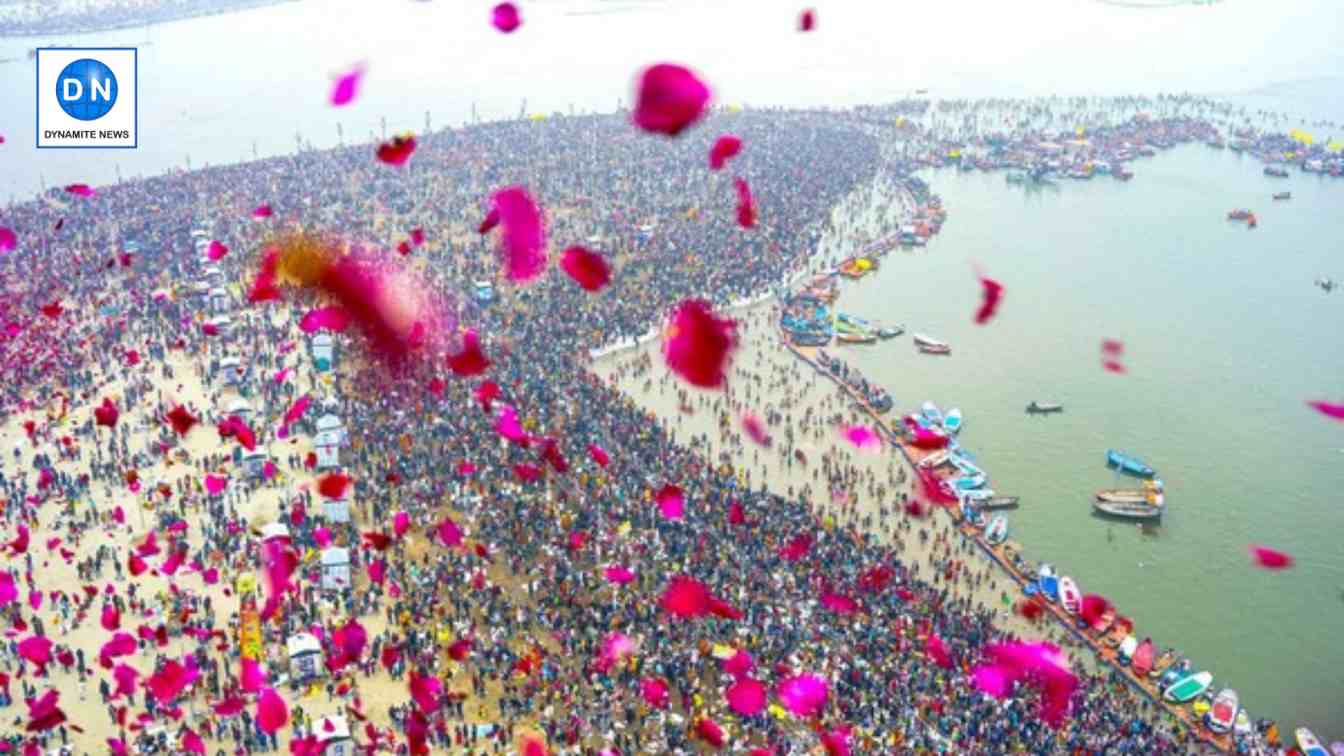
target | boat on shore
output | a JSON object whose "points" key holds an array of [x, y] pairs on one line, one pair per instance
{"points": [[1129, 510], [1283, 195], [996, 532], [1043, 408], [1309, 743], [1069, 596], [1128, 464], [952, 421], [1188, 688], [999, 502], [1223, 714]]}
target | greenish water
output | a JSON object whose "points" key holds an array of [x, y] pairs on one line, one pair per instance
{"points": [[1225, 337]]}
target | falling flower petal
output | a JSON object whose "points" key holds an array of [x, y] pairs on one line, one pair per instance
{"points": [[746, 206], [710, 731], [215, 484], [725, 148], [838, 603], [523, 238], [505, 18], [669, 99], [1092, 610], [670, 502], [1329, 410], [346, 87], [1112, 352], [490, 221], [272, 712], [397, 151], [685, 597], [1270, 559], [654, 691], [334, 319], [937, 651], [106, 414], [746, 697], [697, 343], [804, 695], [862, 437], [8, 239], [216, 250], [807, 20], [588, 269], [333, 485], [82, 190], [263, 211], [449, 533], [170, 680], [181, 420], [426, 690], [755, 429], [1041, 664], [470, 360], [599, 455], [992, 294]]}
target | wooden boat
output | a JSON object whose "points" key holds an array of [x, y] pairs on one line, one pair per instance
{"points": [[1042, 408], [952, 421], [996, 532], [935, 349], [1164, 661], [1150, 493], [1127, 648], [1223, 714], [999, 502], [1283, 195], [855, 338], [1129, 510], [1128, 464], [927, 341], [1047, 582], [1189, 688], [1309, 743], [1069, 596], [1143, 658]]}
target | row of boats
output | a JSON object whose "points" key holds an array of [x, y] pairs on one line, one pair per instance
{"points": [[1145, 502], [877, 397]]}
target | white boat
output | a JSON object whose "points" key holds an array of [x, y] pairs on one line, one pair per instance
{"points": [[976, 496], [952, 421], [929, 341], [996, 532], [1127, 647], [930, 412], [1309, 744], [934, 460], [1069, 596], [1223, 714]]}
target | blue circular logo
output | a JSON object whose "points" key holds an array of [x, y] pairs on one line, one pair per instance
{"points": [[86, 89]]}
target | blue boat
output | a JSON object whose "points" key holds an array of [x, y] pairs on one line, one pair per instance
{"points": [[1048, 583], [952, 421], [1128, 464]]}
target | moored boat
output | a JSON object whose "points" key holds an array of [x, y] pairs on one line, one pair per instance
{"points": [[1069, 596], [1309, 743], [1283, 195], [1240, 214], [1223, 714], [1164, 661], [952, 421], [1047, 582], [1129, 510], [1041, 408], [1128, 464], [1243, 725], [927, 341], [1143, 658], [934, 460], [931, 413], [1188, 688], [999, 502], [1150, 493], [1174, 673], [1127, 648], [1276, 171], [996, 532], [855, 338], [927, 349]]}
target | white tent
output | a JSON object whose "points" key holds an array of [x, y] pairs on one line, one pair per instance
{"points": [[324, 351], [327, 444], [335, 568], [336, 510], [231, 371], [219, 300], [274, 530], [332, 424], [305, 657], [333, 734]]}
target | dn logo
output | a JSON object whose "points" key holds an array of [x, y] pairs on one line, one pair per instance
{"points": [[86, 89]]}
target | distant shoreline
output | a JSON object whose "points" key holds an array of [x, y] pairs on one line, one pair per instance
{"points": [[56, 25]]}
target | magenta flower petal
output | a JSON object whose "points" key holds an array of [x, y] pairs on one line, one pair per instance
{"points": [[599, 455], [669, 98], [216, 250], [297, 409], [807, 20], [725, 148], [755, 429], [588, 269], [8, 239], [1328, 409], [746, 697], [746, 206], [697, 343], [215, 484], [618, 574], [670, 502], [1270, 559], [397, 151], [991, 295], [346, 87], [470, 360], [862, 437], [685, 597], [272, 712], [505, 17], [937, 651], [523, 241], [262, 211], [804, 695], [334, 318], [654, 692], [81, 190]]}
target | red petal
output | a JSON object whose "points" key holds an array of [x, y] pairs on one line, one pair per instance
{"points": [[1270, 559], [505, 17], [746, 206], [992, 293], [807, 20], [725, 148], [669, 99], [697, 343], [588, 269], [397, 151]]}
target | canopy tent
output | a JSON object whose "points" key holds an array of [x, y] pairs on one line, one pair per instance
{"points": [[336, 510], [254, 462], [333, 734], [327, 445], [274, 530], [231, 371], [335, 568], [305, 657]]}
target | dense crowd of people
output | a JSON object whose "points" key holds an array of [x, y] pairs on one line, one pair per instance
{"points": [[518, 620], [20, 18]]}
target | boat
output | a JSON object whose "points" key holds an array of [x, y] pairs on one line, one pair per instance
{"points": [[1309, 744], [890, 332], [1239, 214], [934, 349], [1150, 493], [927, 341], [999, 502], [934, 460], [1276, 171], [996, 532], [952, 421], [1283, 195], [1223, 714], [1128, 464], [1243, 725], [1048, 583], [1164, 661], [1069, 596], [1129, 510], [1120, 629], [1042, 408], [1174, 673], [855, 338], [1127, 648], [931, 413], [1143, 658], [1189, 688]]}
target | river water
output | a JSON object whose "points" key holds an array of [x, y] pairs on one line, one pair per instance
{"points": [[1226, 336]]}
